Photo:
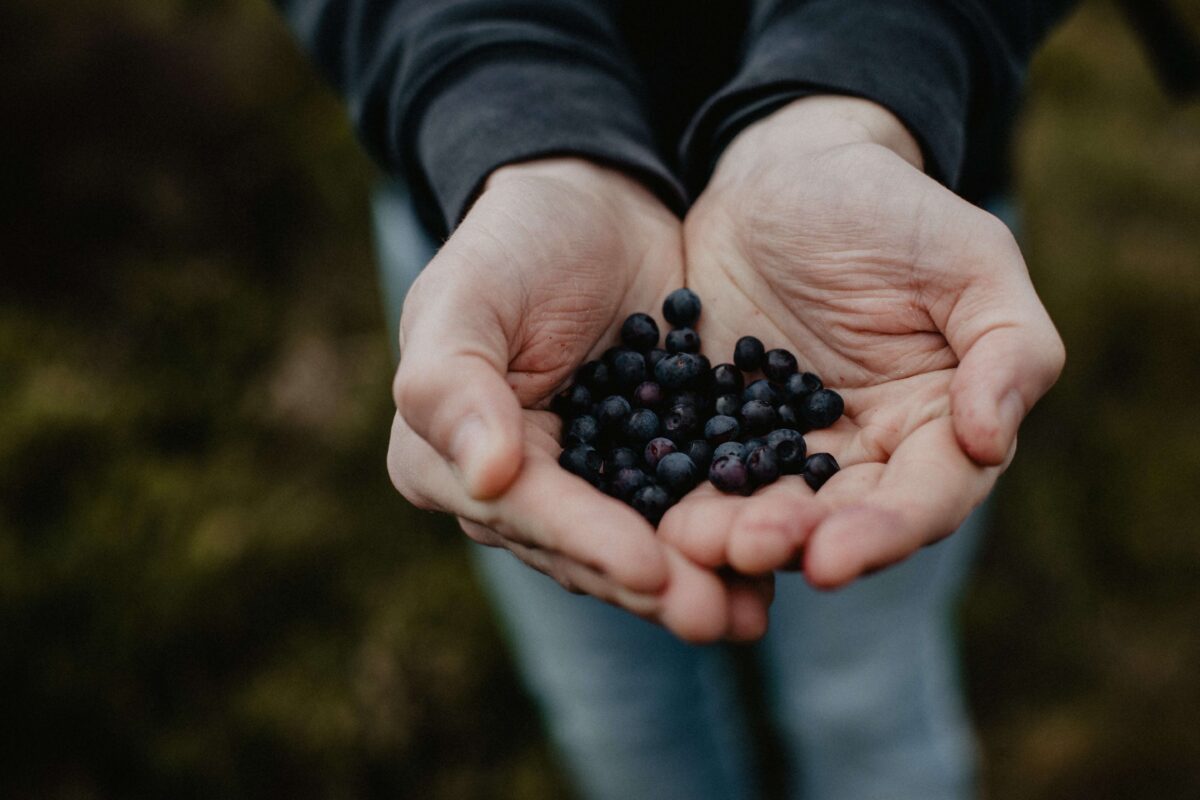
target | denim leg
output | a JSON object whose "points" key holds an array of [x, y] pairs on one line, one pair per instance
{"points": [[863, 681]]}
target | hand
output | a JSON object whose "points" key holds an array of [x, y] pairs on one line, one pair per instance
{"points": [[537, 279], [819, 233]]}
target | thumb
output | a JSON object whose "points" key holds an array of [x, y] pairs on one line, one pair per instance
{"points": [[1003, 372], [451, 390]]}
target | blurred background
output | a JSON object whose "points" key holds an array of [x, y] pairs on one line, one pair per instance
{"points": [[208, 587]]}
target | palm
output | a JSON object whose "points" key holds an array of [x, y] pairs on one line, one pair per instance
{"points": [[865, 287]]}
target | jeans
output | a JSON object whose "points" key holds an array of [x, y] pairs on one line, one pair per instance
{"points": [[861, 683]]}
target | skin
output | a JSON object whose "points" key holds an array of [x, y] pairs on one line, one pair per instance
{"points": [[820, 233], [537, 279]]}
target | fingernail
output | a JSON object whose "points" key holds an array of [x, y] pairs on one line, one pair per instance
{"points": [[468, 447]]}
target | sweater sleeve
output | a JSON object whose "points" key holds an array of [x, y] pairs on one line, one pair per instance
{"points": [[443, 92], [947, 68]]}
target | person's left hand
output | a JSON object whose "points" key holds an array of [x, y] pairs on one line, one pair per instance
{"points": [[819, 233]]}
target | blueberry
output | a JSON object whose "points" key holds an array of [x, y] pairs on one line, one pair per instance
{"points": [[611, 412], [819, 468], [823, 408], [763, 466], [788, 417], [656, 449], [758, 416], [799, 385], [640, 332], [729, 474], [682, 421], [779, 365], [730, 449], [681, 308], [584, 429], [727, 379], [651, 501], [627, 481], [619, 458], [704, 379], [641, 426], [683, 340], [688, 397], [677, 472], [678, 371], [700, 452], [653, 356], [574, 401], [594, 375], [753, 444], [583, 460], [728, 404], [748, 354], [790, 448], [721, 429], [648, 394], [627, 368], [764, 390]]}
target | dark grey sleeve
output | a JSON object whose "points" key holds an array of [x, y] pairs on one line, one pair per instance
{"points": [[947, 68], [443, 92]]}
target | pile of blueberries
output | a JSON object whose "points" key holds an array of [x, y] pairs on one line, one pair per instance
{"points": [[645, 424]]}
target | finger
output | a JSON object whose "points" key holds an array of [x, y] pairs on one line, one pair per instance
{"points": [[700, 524], [749, 604], [772, 526], [884, 513], [695, 604], [451, 387], [546, 508], [580, 579]]}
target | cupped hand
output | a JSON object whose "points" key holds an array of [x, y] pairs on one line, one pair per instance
{"points": [[537, 279], [820, 233]]}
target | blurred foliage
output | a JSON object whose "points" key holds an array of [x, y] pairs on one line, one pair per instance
{"points": [[208, 587]]}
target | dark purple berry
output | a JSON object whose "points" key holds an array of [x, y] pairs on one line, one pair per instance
{"points": [[619, 458], [763, 466], [758, 417], [823, 408], [648, 394], [682, 421], [753, 444], [641, 426], [819, 468], [640, 332], [654, 356], [762, 389], [583, 460], [799, 385], [688, 397], [611, 412], [584, 429], [594, 375], [730, 449], [651, 501], [779, 364], [790, 448], [574, 401], [701, 452], [721, 429], [681, 308], [728, 404], [627, 481], [677, 472], [727, 379], [656, 449], [683, 340], [729, 474], [627, 368], [678, 371], [748, 354], [788, 418]]}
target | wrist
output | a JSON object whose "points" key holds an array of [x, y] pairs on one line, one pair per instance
{"points": [[822, 122]]}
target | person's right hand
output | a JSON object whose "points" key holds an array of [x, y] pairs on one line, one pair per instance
{"points": [[536, 280]]}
